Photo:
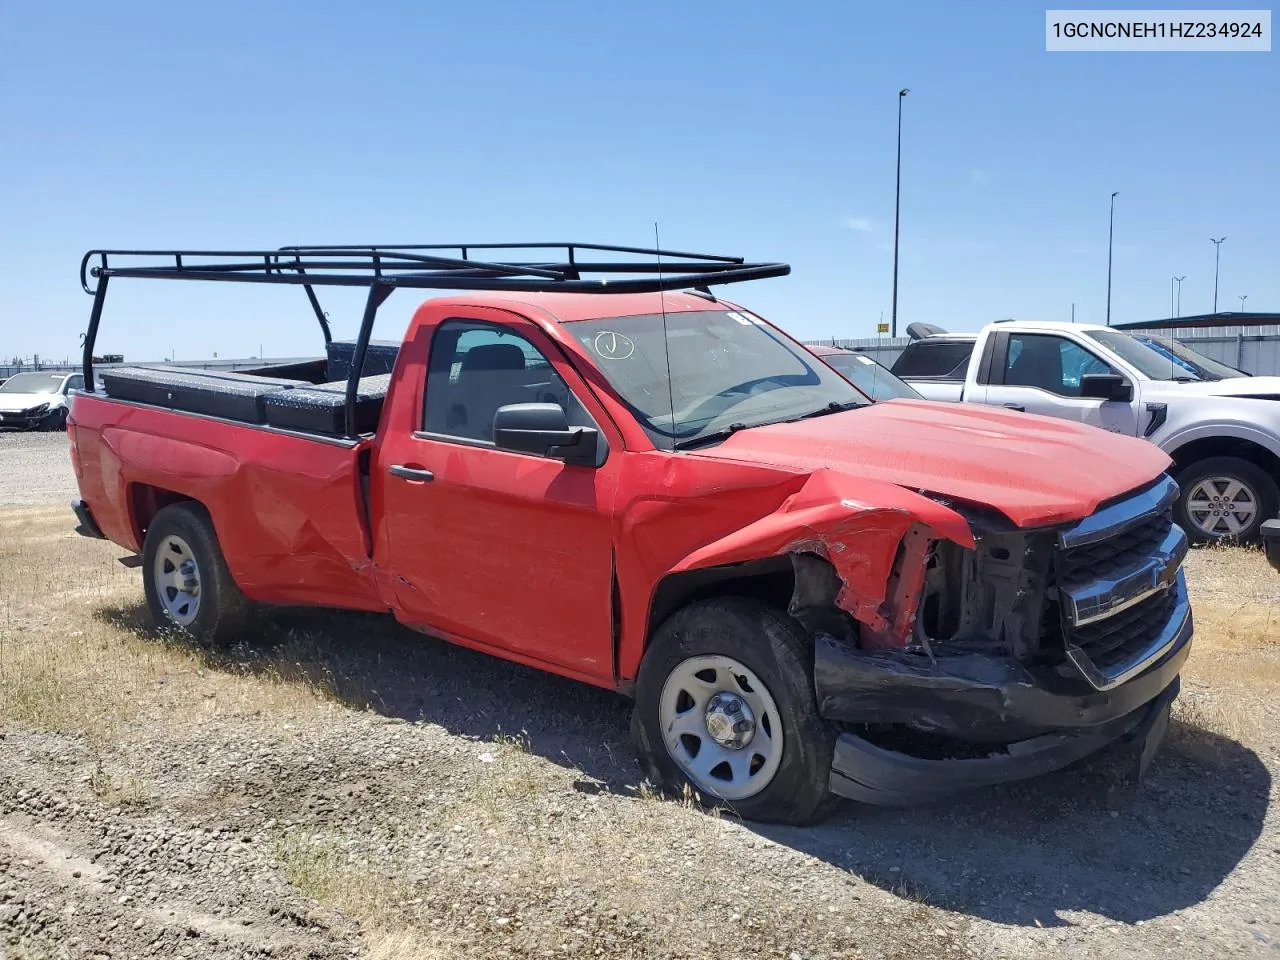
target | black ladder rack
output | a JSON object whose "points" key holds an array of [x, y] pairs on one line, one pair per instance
{"points": [[382, 268]]}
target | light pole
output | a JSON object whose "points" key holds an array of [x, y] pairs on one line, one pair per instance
{"points": [[897, 209], [1217, 251], [1177, 303], [1242, 299], [1111, 232]]}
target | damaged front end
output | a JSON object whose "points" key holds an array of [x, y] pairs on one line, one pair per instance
{"points": [[1004, 660]]}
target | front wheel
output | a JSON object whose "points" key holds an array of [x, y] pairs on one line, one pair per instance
{"points": [[186, 580], [725, 704], [1225, 499]]}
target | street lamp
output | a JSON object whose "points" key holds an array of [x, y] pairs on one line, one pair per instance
{"points": [[1217, 251], [897, 208], [1177, 300], [1242, 299], [1111, 231]]}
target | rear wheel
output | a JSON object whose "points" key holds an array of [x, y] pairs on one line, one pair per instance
{"points": [[725, 704], [1225, 499], [186, 580]]}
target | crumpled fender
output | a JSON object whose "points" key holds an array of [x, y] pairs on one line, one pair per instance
{"points": [[857, 525]]}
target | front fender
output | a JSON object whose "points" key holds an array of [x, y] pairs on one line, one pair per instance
{"points": [[859, 526]]}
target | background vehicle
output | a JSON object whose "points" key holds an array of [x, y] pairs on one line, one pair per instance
{"points": [[1220, 426], [582, 469], [1271, 539], [876, 381], [37, 400]]}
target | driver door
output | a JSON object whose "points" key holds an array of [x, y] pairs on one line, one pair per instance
{"points": [[1041, 373], [504, 550]]}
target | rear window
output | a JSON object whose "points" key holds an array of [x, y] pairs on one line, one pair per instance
{"points": [[935, 359]]}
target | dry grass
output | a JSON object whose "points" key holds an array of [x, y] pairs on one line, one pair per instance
{"points": [[75, 658], [322, 869], [119, 790], [1233, 677]]}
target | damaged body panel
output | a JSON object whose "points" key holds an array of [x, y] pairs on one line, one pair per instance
{"points": [[868, 773], [874, 536], [1010, 678]]}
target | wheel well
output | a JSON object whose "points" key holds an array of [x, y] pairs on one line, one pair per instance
{"points": [[770, 580], [146, 500], [1207, 447]]}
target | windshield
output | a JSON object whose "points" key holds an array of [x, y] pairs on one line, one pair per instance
{"points": [[869, 377], [723, 370], [33, 383], [1163, 358]]}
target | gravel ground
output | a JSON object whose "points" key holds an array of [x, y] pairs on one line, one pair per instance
{"points": [[35, 468], [337, 786]]}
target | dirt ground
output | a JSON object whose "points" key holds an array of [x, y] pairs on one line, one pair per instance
{"points": [[336, 786]]}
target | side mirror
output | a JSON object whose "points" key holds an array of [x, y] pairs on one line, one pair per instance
{"points": [[1106, 386], [543, 429]]}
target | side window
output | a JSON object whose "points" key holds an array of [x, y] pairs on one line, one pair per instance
{"points": [[935, 360], [75, 383], [475, 368], [1050, 363]]}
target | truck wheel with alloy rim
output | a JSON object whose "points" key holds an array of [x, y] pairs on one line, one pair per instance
{"points": [[186, 580], [1225, 499], [725, 704]]}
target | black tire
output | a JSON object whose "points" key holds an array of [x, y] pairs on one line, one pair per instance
{"points": [[221, 611], [1261, 486], [776, 649], [53, 421]]}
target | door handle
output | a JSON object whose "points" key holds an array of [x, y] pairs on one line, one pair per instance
{"points": [[1015, 406], [411, 473]]}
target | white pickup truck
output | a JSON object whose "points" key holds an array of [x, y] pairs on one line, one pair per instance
{"points": [[1220, 426]]}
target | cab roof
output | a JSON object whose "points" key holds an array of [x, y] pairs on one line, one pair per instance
{"points": [[572, 307]]}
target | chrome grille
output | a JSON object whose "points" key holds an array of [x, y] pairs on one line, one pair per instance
{"points": [[1118, 637], [1106, 558], [1120, 586]]}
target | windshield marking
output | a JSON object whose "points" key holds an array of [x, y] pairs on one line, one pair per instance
{"points": [[613, 346]]}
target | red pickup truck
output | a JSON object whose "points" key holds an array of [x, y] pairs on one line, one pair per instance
{"points": [[589, 467]]}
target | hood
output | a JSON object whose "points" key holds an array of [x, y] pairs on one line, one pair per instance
{"points": [[17, 402], [1035, 470], [1231, 387]]}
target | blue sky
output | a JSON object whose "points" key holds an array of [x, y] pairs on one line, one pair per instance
{"points": [[760, 129]]}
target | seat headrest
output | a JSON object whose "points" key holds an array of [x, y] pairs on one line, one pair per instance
{"points": [[493, 356]]}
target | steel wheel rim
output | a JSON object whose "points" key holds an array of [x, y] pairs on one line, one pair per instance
{"points": [[1222, 507], [688, 716], [176, 577]]}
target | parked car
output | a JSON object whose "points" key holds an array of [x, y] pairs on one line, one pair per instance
{"points": [[863, 372], [1220, 426], [37, 400], [581, 468]]}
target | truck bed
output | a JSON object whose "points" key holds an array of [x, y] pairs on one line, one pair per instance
{"points": [[289, 507]]}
